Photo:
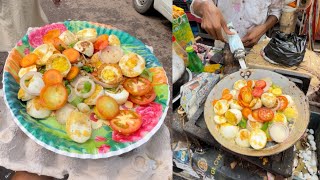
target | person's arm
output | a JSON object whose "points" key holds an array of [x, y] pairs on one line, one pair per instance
{"points": [[254, 34], [212, 19]]}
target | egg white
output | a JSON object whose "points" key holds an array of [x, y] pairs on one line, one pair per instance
{"points": [[242, 138], [221, 107], [258, 139]]}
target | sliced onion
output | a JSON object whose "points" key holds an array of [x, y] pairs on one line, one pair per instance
{"points": [[83, 107], [63, 113], [75, 80], [28, 76], [250, 118], [72, 94], [278, 132], [278, 103], [99, 82], [268, 84], [88, 94]]}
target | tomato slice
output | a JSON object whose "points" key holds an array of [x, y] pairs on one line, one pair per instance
{"points": [[283, 102], [54, 96], [137, 86], [257, 92], [144, 99], [126, 122], [260, 84], [265, 114]]}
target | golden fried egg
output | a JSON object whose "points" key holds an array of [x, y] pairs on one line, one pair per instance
{"points": [[68, 37], [36, 110], [268, 99], [114, 40], [132, 65], [88, 34], [25, 70], [84, 47], [228, 131], [221, 107], [258, 139], [233, 116], [242, 138], [78, 126], [59, 62], [110, 74], [44, 52], [239, 84], [219, 119]]}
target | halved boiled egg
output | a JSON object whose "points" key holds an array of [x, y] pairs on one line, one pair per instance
{"points": [[132, 65], [88, 34], [239, 84], [233, 116], [24, 96], [251, 125], [68, 37], [280, 118], [268, 99], [78, 126], [44, 52], [114, 40], [95, 60], [235, 105], [111, 54], [36, 110], [59, 62], [228, 131], [221, 107], [120, 95], [258, 139], [63, 113], [256, 103], [110, 74], [235, 94], [84, 47], [98, 92], [243, 137], [219, 119], [25, 70]]}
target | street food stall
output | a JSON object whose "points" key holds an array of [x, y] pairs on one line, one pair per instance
{"points": [[250, 113]]}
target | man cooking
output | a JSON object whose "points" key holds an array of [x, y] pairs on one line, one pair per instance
{"points": [[251, 18]]}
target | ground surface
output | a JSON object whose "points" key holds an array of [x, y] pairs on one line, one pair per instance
{"points": [[153, 30]]}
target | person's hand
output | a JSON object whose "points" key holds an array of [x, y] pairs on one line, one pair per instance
{"points": [[213, 21], [254, 35]]}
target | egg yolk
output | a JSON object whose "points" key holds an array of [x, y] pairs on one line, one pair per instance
{"points": [[60, 64], [231, 118], [244, 135], [132, 61], [108, 75], [278, 117]]}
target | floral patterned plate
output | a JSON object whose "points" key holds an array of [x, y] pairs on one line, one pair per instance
{"points": [[103, 142]]}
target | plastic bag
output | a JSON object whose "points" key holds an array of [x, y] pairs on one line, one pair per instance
{"points": [[286, 49]]}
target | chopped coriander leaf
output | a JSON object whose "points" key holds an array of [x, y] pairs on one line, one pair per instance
{"points": [[243, 123], [88, 69]]}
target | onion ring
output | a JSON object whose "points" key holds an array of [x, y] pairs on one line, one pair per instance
{"points": [[82, 80], [72, 94], [278, 103], [28, 76]]}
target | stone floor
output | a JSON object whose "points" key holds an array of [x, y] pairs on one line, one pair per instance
{"points": [[153, 29]]}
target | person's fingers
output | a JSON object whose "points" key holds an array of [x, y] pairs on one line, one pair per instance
{"points": [[225, 27], [245, 38], [209, 29], [249, 43], [219, 35]]}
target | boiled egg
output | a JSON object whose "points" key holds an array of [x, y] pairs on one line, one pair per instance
{"points": [[132, 65], [290, 100], [88, 34], [110, 74], [59, 62], [268, 99], [221, 107], [219, 119], [255, 103], [23, 95], [258, 139], [25, 70], [235, 94], [111, 54], [63, 113], [121, 95], [251, 125], [243, 137], [44, 52], [233, 116], [239, 84], [235, 105], [114, 40], [280, 118], [36, 110], [78, 126], [228, 131], [98, 92], [84, 47], [68, 38], [95, 60]]}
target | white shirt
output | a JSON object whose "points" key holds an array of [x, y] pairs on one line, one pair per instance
{"points": [[246, 14]]}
